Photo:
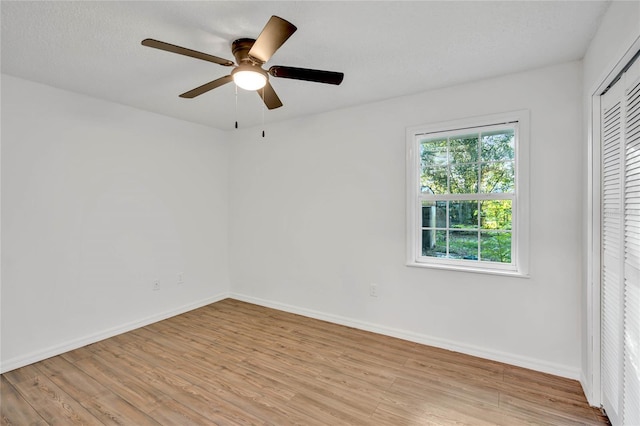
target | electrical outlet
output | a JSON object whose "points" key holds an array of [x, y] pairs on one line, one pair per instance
{"points": [[373, 290], [180, 278], [155, 286]]}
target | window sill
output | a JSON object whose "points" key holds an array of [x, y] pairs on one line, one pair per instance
{"points": [[458, 268]]}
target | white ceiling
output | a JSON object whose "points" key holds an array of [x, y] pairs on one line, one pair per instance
{"points": [[385, 49]]}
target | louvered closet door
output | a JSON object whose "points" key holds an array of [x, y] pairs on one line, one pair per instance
{"points": [[621, 249], [612, 232], [631, 368]]}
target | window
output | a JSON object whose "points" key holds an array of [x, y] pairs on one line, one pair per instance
{"points": [[467, 197]]}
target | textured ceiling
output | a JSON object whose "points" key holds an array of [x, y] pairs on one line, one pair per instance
{"points": [[385, 49]]}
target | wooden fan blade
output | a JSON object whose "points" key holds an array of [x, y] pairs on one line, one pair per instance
{"points": [[269, 97], [206, 87], [319, 76], [149, 42], [273, 35]]}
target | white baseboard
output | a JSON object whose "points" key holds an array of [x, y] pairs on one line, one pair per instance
{"points": [[507, 358], [40, 355]]}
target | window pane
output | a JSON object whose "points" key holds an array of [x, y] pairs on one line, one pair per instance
{"points": [[463, 149], [433, 180], [463, 214], [495, 247], [495, 214], [463, 245], [464, 179], [497, 177], [428, 214], [434, 243], [434, 214], [433, 152], [498, 145]]}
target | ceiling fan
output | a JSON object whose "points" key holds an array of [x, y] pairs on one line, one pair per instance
{"points": [[251, 55]]}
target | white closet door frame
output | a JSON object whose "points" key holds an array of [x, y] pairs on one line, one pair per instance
{"points": [[591, 378]]}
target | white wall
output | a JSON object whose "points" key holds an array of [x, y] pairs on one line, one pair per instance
{"points": [[619, 28], [607, 53], [99, 200], [317, 213]]}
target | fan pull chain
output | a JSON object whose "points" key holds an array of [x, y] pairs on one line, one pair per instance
{"points": [[236, 106], [263, 106]]}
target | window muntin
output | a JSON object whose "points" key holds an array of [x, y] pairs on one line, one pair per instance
{"points": [[466, 197]]}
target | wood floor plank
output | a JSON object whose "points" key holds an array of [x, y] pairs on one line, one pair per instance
{"points": [[341, 401], [129, 387], [458, 389], [549, 414], [545, 384], [77, 354], [110, 409], [172, 412], [444, 407], [229, 389], [75, 383], [53, 404], [14, 409], [234, 363]]}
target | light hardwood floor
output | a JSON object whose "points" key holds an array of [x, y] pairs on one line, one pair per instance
{"points": [[237, 363]]}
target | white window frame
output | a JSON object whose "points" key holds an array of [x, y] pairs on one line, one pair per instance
{"points": [[519, 265]]}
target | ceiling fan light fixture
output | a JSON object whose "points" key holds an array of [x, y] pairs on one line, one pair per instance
{"points": [[249, 77]]}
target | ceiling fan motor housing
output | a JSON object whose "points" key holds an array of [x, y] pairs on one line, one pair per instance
{"points": [[240, 49]]}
